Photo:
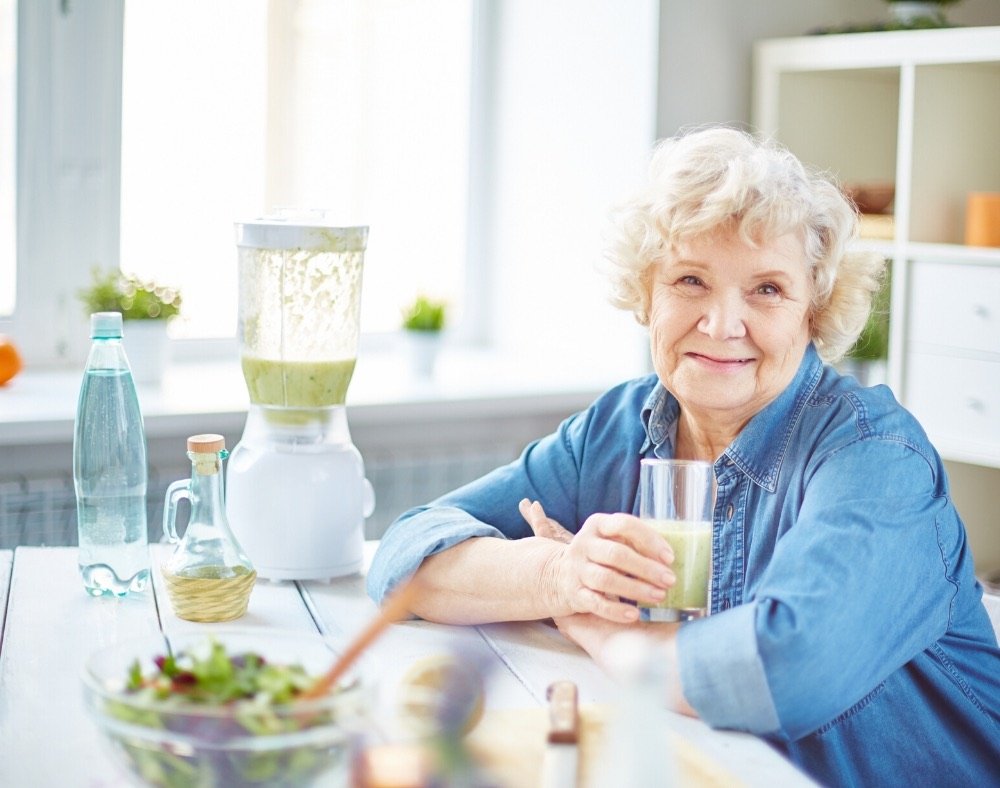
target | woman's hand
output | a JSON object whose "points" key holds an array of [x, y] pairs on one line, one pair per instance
{"points": [[621, 649], [612, 556], [592, 633]]}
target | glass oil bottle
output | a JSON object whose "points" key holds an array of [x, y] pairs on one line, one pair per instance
{"points": [[208, 576]]}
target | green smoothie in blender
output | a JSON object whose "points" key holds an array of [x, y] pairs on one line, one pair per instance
{"points": [[297, 384]]}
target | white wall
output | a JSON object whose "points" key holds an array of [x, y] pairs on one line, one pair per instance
{"points": [[575, 121], [705, 73]]}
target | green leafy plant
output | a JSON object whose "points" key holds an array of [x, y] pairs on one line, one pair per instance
{"points": [[136, 299], [424, 314], [873, 344]]}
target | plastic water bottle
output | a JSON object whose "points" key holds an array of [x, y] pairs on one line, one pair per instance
{"points": [[109, 468]]}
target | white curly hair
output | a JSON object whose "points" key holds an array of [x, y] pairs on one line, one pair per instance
{"points": [[719, 178]]}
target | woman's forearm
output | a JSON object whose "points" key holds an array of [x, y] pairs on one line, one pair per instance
{"points": [[485, 579]]}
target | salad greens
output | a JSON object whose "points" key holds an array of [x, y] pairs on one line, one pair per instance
{"points": [[218, 679], [209, 718]]}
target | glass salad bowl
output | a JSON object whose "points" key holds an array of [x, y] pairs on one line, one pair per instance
{"points": [[218, 709]]}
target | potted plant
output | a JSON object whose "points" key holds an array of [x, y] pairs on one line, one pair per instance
{"points": [[423, 321], [919, 13], [146, 308], [867, 359]]}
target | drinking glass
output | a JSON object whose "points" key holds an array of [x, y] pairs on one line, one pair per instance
{"points": [[677, 498]]}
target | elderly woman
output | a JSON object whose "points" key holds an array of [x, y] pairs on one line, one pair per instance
{"points": [[846, 623]]}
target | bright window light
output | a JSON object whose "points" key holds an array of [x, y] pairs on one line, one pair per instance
{"points": [[8, 126], [233, 108]]}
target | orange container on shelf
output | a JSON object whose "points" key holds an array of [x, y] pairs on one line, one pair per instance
{"points": [[982, 219]]}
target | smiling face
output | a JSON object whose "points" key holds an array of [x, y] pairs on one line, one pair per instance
{"points": [[729, 324]]}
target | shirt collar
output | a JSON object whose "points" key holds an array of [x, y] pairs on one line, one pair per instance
{"points": [[760, 447]]}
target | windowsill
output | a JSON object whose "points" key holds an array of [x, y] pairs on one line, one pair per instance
{"points": [[38, 406]]}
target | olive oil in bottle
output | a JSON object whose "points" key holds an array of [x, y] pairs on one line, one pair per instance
{"points": [[208, 576]]}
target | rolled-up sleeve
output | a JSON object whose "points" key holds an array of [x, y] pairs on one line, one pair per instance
{"points": [[416, 535], [726, 686], [865, 558]]}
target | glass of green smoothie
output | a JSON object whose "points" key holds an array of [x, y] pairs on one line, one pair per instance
{"points": [[677, 498]]}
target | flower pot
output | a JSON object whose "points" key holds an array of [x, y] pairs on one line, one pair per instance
{"points": [[908, 12], [146, 346], [422, 347], [867, 371]]}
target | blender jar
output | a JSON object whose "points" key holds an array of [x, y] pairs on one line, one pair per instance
{"points": [[299, 310]]}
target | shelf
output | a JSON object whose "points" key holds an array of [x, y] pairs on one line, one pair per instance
{"points": [[953, 253], [919, 109]]}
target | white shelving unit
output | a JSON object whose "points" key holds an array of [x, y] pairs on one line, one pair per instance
{"points": [[920, 109]]}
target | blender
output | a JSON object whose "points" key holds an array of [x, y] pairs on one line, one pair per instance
{"points": [[296, 492]]}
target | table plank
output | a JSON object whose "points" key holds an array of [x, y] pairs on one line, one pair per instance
{"points": [[6, 559], [342, 609], [52, 626], [272, 605], [540, 654]]}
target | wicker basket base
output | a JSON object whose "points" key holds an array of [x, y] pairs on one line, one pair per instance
{"points": [[210, 599]]}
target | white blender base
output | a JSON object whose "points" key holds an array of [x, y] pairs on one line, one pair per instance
{"points": [[299, 512]]}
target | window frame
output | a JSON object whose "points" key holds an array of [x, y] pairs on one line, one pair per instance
{"points": [[68, 193]]}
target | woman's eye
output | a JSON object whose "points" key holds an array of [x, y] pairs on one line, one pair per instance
{"points": [[768, 289], [690, 280]]}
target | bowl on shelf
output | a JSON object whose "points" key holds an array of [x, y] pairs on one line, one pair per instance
{"points": [[165, 739], [870, 197]]}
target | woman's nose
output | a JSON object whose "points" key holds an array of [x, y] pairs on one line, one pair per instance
{"points": [[724, 317]]}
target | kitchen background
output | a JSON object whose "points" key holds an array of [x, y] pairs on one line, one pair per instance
{"points": [[566, 99]]}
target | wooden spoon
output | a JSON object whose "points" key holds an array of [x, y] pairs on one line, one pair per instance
{"points": [[394, 609]]}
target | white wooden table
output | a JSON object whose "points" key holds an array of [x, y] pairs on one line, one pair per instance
{"points": [[50, 626]]}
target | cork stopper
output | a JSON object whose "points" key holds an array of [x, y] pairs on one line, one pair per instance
{"points": [[206, 444]]}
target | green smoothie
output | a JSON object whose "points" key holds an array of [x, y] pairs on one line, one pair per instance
{"points": [[692, 546], [297, 384]]}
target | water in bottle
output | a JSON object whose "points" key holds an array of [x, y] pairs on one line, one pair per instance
{"points": [[109, 468]]}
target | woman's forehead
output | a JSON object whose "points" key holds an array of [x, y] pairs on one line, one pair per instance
{"points": [[785, 250]]}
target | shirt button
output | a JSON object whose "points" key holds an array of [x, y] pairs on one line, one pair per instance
{"points": [[729, 512]]}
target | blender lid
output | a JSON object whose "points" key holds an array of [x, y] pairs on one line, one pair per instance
{"points": [[310, 230]]}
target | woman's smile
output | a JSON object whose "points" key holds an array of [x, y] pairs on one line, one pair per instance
{"points": [[729, 323], [720, 363]]}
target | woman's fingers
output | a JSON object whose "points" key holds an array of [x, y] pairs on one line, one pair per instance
{"points": [[607, 581], [611, 541], [541, 524], [632, 531], [610, 609]]}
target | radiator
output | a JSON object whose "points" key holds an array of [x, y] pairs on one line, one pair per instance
{"points": [[42, 510]]}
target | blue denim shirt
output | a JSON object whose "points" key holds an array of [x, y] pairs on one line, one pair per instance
{"points": [[847, 625]]}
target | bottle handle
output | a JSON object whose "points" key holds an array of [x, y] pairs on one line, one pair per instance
{"points": [[367, 499], [175, 492]]}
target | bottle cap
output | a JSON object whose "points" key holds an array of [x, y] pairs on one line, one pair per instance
{"points": [[106, 325], [206, 444]]}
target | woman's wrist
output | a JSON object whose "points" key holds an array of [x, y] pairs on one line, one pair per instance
{"points": [[550, 577]]}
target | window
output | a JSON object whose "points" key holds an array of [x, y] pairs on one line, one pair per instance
{"points": [[8, 127], [482, 142], [358, 107]]}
